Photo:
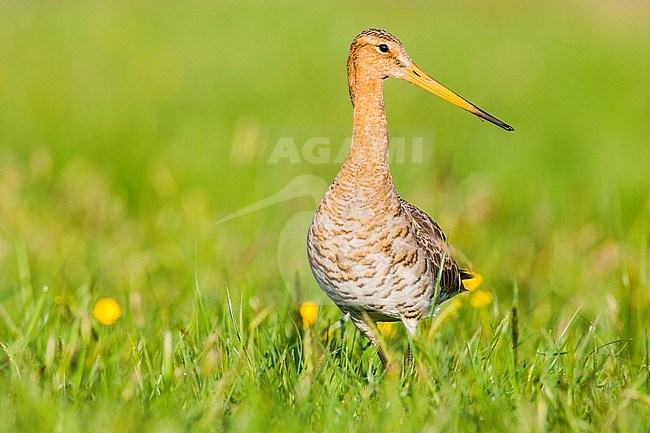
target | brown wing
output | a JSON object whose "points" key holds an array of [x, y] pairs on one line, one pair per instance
{"points": [[432, 241]]}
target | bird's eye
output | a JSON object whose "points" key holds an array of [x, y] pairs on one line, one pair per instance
{"points": [[383, 48]]}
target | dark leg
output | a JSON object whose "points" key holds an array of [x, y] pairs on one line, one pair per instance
{"points": [[369, 333], [382, 356]]}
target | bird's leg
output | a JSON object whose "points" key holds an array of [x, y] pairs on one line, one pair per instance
{"points": [[367, 331], [382, 356], [411, 325]]}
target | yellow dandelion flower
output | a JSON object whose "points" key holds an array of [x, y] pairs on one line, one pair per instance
{"points": [[387, 329], [473, 283], [309, 313], [480, 299], [107, 311]]}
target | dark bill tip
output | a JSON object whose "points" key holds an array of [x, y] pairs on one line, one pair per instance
{"points": [[490, 118]]}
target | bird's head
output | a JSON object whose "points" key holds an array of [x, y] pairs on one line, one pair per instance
{"points": [[375, 55]]}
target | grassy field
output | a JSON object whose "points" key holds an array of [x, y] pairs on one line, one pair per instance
{"points": [[129, 132]]}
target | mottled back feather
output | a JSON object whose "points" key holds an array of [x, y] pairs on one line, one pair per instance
{"points": [[432, 241]]}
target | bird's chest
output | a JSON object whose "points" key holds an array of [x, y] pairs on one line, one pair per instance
{"points": [[363, 249], [349, 226]]}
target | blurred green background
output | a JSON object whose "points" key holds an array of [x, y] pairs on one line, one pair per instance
{"points": [[159, 118], [129, 129]]}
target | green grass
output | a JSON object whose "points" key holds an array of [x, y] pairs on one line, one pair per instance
{"points": [[127, 130]]}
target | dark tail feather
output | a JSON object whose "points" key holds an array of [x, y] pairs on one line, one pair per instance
{"points": [[465, 274]]}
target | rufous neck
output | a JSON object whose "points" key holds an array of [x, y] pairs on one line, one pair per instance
{"points": [[369, 148]]}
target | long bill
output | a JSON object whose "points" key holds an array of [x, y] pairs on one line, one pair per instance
{"points": [[416, 76]]}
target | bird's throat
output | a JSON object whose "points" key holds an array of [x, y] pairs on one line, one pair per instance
{"points": [[368, 154]]}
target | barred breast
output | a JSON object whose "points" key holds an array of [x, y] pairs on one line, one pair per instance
{"points": [[366, 256]]}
